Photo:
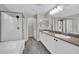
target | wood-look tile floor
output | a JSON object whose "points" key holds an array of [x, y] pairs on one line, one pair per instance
{"points": [[33, 46]]}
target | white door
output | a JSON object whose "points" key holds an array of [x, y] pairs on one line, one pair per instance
{"points": [[63, 47]]}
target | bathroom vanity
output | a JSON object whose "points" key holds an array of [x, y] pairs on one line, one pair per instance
{"points": [[59, 43]]}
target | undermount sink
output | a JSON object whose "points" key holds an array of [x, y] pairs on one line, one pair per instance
{"points": [[45, 31], [62, 36]]}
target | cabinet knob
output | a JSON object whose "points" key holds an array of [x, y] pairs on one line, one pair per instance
{"points": [[56, 40]]}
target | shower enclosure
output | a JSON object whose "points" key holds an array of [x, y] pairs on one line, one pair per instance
{"points": [[11, 26]]}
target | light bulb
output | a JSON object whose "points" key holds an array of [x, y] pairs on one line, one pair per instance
{"points": [[60, 8], [52, 12], [56, 10]]}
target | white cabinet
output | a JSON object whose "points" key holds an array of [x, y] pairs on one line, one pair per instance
{"points": [[48, 41], [55, 45], [65, 47]]}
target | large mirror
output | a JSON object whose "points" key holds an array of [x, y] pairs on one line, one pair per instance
{"points": [[67, 25]]}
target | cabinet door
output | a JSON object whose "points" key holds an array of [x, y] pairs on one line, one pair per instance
{"points": [[42, 36], [63, 47], [48, 42]]}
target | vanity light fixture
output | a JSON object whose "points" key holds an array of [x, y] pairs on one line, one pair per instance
{"points": [[56, 10]]}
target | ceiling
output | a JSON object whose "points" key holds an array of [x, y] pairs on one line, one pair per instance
{"points": [[68, 10], [30, 9], [33, 9]]}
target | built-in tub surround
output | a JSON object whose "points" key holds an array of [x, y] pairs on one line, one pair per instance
{"points": [[70, 38]]}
